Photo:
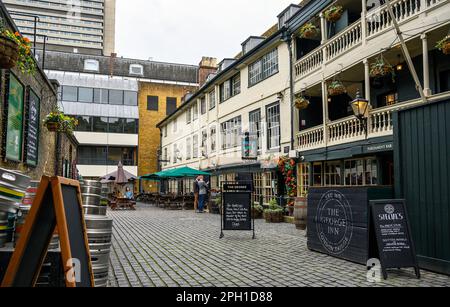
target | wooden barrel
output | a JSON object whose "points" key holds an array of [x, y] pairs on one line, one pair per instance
{"points": [[301, 212]]}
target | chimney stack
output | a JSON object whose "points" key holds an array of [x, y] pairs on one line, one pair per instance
{"points": [[207, 66]]}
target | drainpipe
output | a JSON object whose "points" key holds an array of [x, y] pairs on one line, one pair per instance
{"points": [[287, 38]]}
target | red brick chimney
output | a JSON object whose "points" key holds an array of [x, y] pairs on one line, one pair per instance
{"points": [[207, 66]]}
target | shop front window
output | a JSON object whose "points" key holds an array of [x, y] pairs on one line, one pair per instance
{"points": [[317, 175], [303, 178], [333, 173]]}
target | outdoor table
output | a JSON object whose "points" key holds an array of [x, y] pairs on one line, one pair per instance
{"points": [[123, 203]]}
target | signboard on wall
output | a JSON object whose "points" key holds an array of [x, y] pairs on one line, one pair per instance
{"points": [[14, 125], [32, 135]]}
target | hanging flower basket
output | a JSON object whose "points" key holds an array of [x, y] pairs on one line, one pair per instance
{"points": [[15, 50], [58, 122], [381, 68], [302, 103], [336, 88], [309, 31], [9, 52], [444, 45], [334, 13]]}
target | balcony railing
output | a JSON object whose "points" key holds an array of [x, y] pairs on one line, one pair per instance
{"points": [[349, 129], [377, 20]]}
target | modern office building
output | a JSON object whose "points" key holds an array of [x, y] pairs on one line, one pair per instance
{"points": [[78, 26], [102, 92]]}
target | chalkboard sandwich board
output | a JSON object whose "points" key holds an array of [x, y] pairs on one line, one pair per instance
{"points": [[57, 205], [236, 213], [390, 236]]}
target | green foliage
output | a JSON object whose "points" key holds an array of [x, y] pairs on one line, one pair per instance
{"points": [[26, 63], [334, 13], [65, 123], [309, 30]]}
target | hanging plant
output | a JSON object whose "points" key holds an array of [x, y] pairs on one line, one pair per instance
{"points": [[336, 88], [444, 45], [302, 103], [57, 121], [334, 13], [15, 50], [309, 30], [287, 168], [382, 68]]}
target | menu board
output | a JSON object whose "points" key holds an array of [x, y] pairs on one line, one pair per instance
{"points": [[390, 227], [237, 208], [237, 211], [14, 125], [32, 136]]}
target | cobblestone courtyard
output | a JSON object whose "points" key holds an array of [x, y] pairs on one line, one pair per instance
{"points": [[155, 247]]}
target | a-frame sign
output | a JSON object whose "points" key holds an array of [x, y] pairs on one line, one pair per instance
{"points": [[57, 205]]}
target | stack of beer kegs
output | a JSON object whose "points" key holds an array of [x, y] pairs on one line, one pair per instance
{"points": [[12, 189], [99, 229]]}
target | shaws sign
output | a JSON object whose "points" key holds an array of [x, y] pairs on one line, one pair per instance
{"points": [[334, 222]]}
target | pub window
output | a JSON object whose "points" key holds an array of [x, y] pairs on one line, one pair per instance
{"points": [[152, 103], [188, 149], [371, 177], [171, 105], [195, 111], [303, 179], [236, 85], [188, 115], [225, 91], [354, 172], [195, 146], [136, 69], [333, 173], [70, 93], [255, 126], [273, 126], [317, 174], [203, 105], [175, 125], [204, 146], [230, 132], [86, 94], [213, 139], [388, 99], [212, 100], [263, 68]]}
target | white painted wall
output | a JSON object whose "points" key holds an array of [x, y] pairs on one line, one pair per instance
{"points": [[256, 97]]}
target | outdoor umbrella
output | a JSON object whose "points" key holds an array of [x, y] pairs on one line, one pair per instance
{"points": [[121, 176]]}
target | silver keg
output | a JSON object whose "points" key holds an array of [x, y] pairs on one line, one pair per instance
{"points": [[92, 199], [99, 231]]}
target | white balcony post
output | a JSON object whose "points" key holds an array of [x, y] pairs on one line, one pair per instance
{"points": [[325, 112], [364, 21], [367, 79], [323, 27], [426, 66]]}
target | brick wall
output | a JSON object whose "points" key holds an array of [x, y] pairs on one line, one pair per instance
{"points": [[149, 134]]}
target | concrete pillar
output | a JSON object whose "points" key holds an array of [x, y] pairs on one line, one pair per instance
{"points": [[364, 21], [426, 66], [367, 79], [323, 28]]}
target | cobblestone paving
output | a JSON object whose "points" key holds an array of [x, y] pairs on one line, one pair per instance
{"points": [[154, 247]]}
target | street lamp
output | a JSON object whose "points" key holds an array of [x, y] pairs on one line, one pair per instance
{"points": [[360, 108]]}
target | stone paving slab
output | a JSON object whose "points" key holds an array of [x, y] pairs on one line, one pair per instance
{"points": [[153, 247]]}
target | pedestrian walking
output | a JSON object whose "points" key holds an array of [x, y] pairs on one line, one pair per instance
{"points": [[202, 194], [196, 194]]}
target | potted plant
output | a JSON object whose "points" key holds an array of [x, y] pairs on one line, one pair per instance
{"points": [[57, 121], [444, 45], [309, 30], [15, 50], [380, 68], [302, 103], [336, 88], [334, 13], [257, 211], [274, 214]]}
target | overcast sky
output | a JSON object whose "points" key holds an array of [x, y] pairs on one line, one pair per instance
{"points": [[182, 31]]}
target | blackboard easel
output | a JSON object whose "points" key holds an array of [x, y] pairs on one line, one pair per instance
{"points": [[390, 239], [241, 194], [57, 205]]}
